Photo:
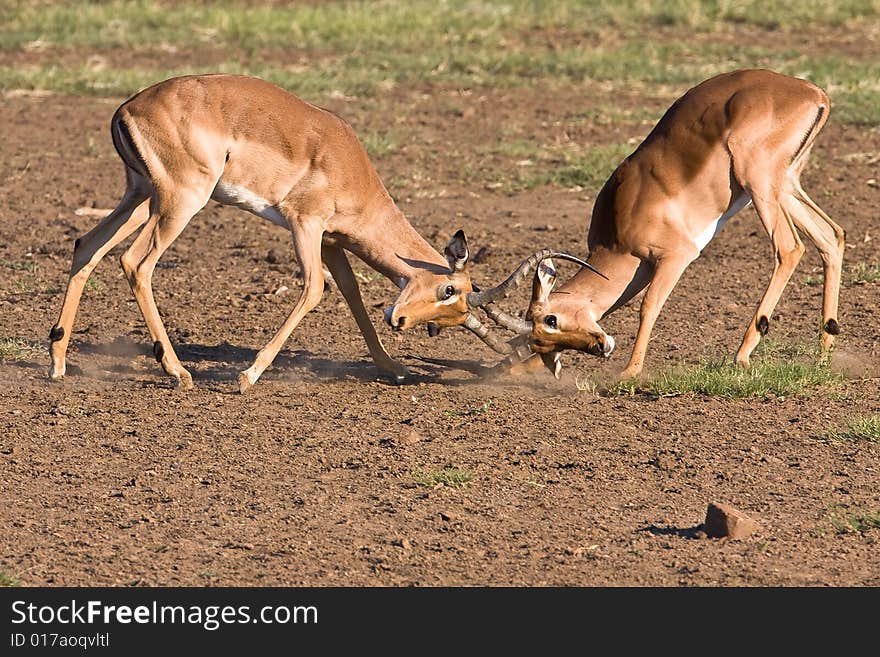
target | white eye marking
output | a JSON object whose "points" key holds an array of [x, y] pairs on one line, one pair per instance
{"points": [[449, 301]]}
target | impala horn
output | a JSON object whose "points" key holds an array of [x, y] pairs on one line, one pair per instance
{"points": [[506, 320], [510, 322], [484, 297], [474, 326]]}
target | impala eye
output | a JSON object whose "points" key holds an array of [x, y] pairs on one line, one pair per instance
{"points": [[550, 321], [448, 292]]}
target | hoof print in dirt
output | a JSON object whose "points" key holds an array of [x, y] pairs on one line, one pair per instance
{"points": [[723, 521]]}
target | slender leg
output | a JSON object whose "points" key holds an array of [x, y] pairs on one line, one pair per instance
{"points": [[307, 244], [88, 251], [666, 274], [787, 250], [830, 239], [169, 217], [337, 262]]}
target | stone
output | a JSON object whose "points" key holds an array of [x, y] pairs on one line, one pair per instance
{"points": [[409, 437], [724, 521]]}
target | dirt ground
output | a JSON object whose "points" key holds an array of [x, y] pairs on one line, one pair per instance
{"points": [[115, 478]]}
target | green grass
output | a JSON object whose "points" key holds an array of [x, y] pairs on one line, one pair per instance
{"points": [[364, 49], [28, 285], [776, 370], [93, 284], [7, 580], [860, 429], [16, 265], [852, 521], [453, 477], [13, 349], [379, 144], [476, 410], [529, 164], [863, 273], [416, 24]]}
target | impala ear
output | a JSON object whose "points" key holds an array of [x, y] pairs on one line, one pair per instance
{"points": [[457, 252], [545, 279]]}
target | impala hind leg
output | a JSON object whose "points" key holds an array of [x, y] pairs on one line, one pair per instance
{"points": [[787, 252], [667, 272], [307, 244], [830, 239], [337, 262], [88, 251], [168, 219]]}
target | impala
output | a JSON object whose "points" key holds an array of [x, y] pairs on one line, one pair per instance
{"points": [[247, 143], [736, 139]]}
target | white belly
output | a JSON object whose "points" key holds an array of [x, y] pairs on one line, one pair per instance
{"points": [[715, 227], [242, 197]]}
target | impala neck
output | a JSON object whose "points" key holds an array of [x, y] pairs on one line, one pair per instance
{"points": [[595, 293], [388, 243]]}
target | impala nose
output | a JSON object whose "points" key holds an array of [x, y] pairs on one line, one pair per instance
{"points": [[608, 347], [395, 323]]}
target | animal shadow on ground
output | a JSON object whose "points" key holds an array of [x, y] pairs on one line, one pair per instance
{"points": [[223, 362], [698, 531]]}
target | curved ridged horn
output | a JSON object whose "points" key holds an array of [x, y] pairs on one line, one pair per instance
{"points": [[475, 327], [510, 322], [480, 299]]}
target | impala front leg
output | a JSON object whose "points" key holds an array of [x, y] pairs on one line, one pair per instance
{"points": [[337, 262], [307, 244], [667, 272]]}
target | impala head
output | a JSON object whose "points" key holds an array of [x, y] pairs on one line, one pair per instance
{"points": [[563, 321], [435, 295]]}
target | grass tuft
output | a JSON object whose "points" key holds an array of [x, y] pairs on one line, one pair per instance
{"points": [[26, 265], [15, 349], [855, 521], [861, 428], [863, 273], [378, 144], [453, 477], [776, 370], [8, 580]]}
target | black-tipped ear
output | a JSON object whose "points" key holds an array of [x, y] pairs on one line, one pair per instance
{"points": [[545, 279], [457, 251]]}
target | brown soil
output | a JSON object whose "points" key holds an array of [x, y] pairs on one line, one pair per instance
{"points": [[113, 477]]}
